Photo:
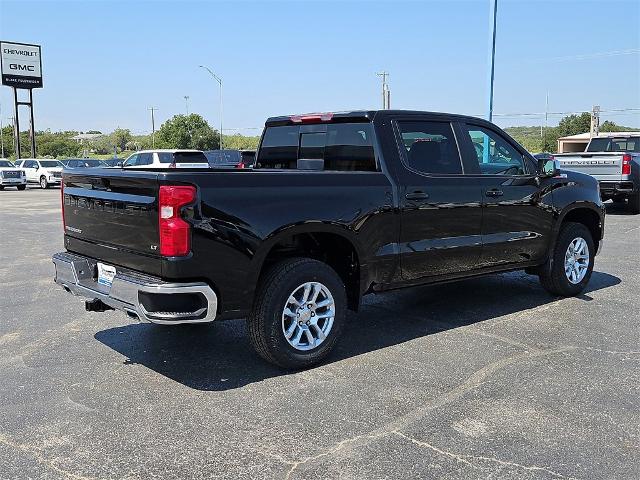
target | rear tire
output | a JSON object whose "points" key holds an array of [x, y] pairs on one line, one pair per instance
{"points": [[43, 183], [559, 276], [289, 326], [634, 203], [22, 187], [1, 187]]}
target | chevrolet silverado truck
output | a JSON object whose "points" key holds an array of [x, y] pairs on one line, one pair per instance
{"points": [[338, 205], [613, 160]]}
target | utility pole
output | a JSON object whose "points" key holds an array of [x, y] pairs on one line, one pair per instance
{"points": [[493, 14], [219, 80], [595, 121], [186, 101], [386, 94], [153, 128], [1, 134]]}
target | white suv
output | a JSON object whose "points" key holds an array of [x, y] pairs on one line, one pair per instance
{"points": [[167, 159], [10, 176], [43, 172]]}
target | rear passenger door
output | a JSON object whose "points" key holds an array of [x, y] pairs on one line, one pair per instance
{"points": [[517, 214], [441, 212]]}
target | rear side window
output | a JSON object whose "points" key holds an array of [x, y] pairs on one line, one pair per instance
{"points": [[431, 147], [342, 146], [190, 157]]}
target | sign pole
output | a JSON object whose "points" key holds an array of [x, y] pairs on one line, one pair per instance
{"points": [[16, 123], [32, 130]]}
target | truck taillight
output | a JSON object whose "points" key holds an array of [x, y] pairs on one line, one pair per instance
{"points": [[626, 164], [175, 233]]}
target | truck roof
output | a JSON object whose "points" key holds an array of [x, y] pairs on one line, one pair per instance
{"points": [[354, 116]]}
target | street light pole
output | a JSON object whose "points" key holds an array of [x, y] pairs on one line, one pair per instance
{"points": [[493, 4], [186, 102], [153, 127], [219, 80]]}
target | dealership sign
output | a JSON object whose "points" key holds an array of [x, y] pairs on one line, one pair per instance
{"points": [[21, 65]]}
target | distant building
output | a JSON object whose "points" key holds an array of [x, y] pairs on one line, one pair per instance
{"points": [[579, 142], [82, 137]]}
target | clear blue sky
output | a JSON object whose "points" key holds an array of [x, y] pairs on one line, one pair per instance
{"points": [[105, 63]]}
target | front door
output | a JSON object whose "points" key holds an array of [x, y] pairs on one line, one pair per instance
{"points": [[441, 210], [30, 168], [517, 214]]}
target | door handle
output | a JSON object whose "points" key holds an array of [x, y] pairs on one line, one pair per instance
{"points": [[417, 195], [494, 192]]}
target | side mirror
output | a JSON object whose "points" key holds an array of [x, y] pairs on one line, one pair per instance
{"points": [[119, 164], [37, 167], [549, 167]]}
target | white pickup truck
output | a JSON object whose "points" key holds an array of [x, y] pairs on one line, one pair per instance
{"points": [[613, 160]]}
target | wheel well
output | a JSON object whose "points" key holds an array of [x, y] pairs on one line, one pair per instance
{"points": [[330, 248], [589, 219]]}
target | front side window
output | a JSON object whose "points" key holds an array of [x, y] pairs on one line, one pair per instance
{"points": [[431, 147], [343, 147], [495, 155], [132, 161], [145, 159]]}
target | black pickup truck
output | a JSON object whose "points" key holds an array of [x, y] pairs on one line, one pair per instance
{"points": [[338, 205]]}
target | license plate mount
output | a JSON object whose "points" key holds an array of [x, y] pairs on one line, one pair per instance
{"points": [[106, 274]]}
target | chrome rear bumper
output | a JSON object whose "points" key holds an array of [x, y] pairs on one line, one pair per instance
{"points": [[136, 294]]}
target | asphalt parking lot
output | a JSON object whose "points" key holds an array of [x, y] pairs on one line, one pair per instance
{"points": [[485, 378]]}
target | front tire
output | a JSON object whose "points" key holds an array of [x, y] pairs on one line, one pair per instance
{"points": [[569, 268], [298, 314], [22, 187], [43, 183]]}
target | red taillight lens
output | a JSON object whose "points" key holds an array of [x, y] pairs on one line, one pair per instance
{"points": [[175, 233], [626, 164], [172, 165], [240, 165]]}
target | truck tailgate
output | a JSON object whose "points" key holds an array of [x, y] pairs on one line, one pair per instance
{"points": [[602, 166], [113, 217]]}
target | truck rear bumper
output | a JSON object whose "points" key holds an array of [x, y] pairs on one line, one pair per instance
{"points": [[140, 296], [611, 189]]}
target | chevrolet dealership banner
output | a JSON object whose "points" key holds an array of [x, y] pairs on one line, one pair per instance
{"points": [[21, 65]]}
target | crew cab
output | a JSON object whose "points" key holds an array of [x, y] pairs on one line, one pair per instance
{"points": [[614, 160], [338, 205], [10, 176], [41, 171]]}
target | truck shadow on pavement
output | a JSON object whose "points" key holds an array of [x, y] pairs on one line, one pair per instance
{"points": [[218, 356]]}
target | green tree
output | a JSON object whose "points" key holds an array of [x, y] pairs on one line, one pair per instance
{"points": [[574, 124], [56, 145], [190, 131], [609, 126], [120, 137]]}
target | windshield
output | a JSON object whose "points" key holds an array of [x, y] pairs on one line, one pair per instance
{"points": [[626, 144], [223, 157], [50, 163], [4, 163]]}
